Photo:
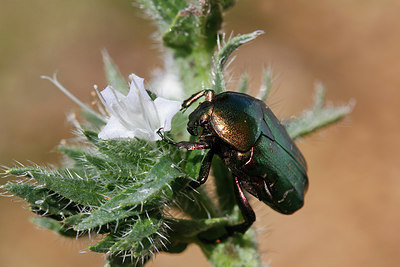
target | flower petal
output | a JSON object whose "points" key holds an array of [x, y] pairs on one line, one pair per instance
{"points": [[167, 85], [166, 110], [111, 96], [146, 135], [137, 85], [114, 129], [139, 96], [136, 115]]}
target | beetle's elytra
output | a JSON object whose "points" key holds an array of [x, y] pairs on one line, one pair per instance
{"points": [[253, 144]]}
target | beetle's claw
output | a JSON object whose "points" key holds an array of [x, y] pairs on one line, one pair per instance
{"points": [[159, 132], [184, 105], [183, 108]]}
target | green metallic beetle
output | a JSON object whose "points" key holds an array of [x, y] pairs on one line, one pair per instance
{"points": [[253, 144]]}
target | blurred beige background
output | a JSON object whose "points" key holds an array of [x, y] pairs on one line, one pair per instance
{"points": [[351, 216]]}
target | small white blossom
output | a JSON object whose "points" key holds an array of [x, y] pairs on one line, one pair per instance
{"points": [[166, 83], [136, 115]]}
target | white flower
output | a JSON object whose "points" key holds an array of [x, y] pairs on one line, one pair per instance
{"points": [[166, 82], [136, 115], [168, 85]]}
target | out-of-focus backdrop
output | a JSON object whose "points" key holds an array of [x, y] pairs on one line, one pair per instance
{"points": [[351, 216]]}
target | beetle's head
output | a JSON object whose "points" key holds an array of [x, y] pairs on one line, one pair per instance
{"points": [[199, 118]]}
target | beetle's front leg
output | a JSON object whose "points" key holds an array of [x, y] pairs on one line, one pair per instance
{"points": [[204, 169], [186, 145], [209, 94], [192, 145], [247, 211]]}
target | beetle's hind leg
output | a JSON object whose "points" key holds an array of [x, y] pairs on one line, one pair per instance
{"points": [[247, 211]]}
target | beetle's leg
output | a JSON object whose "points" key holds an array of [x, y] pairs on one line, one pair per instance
{"points": [[209, 94], [164, 138], [204, 169], [192, 145], [186, 145], [247, 211]]}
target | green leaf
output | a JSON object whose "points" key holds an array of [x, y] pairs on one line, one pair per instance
{"points": [[223, 186], [266, 86], [175, 247], [105, 244], [228, 47], [42, 200], [163, 183], [67, 183], [193, 161], [224, 52], [99, 165], [140, 239], [101, 217], [135, 152], [196, 203], [237, 251], [75, 219], [96, 121], [53, 225], [212, 21], [137, 242], [192, 36], [317, 117], [244, 81], [187, 229], [183, 32], [77, 154], [119, 261], [113, 75], [163, 11], [194, 29]]}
